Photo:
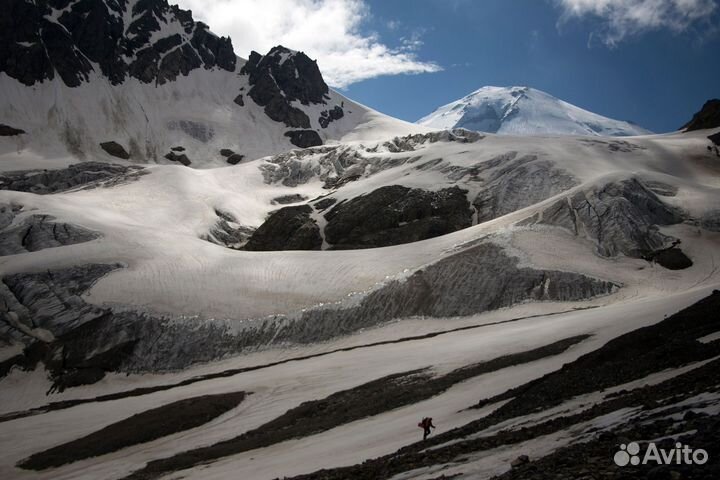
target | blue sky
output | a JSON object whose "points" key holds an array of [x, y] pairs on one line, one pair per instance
{"points": [[653, 62], [657, 78]]}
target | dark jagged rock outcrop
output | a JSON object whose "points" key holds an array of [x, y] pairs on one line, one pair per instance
{"points": [[715, 139], [304, 138], [8, 131], [140, 428], [289, 228], [619, 217], [395, 214], [36, 232], [672, 258], [707, 117], [234, 159], [329, 116], [87, 175], [115, 149], [231, 157], [387, 216], [34, 47], [711, 221], [179, 158], [282, 77], [228, 232], [324, 204], [286, 199]]}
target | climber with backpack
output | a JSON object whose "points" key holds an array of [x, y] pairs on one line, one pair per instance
{"points": [[426, 424]]}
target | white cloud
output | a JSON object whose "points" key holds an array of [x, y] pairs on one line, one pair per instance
{"points": [[624, 18], [327, 30]]}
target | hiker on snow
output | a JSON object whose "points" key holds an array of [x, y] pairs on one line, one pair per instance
{"points": [[426, 424]]}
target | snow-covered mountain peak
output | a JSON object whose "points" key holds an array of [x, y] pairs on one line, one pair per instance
{"points": [[520, 110]]}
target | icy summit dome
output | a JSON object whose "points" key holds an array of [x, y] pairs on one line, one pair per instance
{"points": [[524, 111]]}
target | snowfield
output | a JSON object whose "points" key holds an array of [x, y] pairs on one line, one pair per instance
{"points": [[155, 228], [219, 268]]}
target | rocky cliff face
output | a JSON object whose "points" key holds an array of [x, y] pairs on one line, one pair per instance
{"points": [[133, 79], [394, 215], [390, 215], [282, 77], [707, 117], [120, 38]]}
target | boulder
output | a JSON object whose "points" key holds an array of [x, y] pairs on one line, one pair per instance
{"points": [[8, 131], [672, 258], [329, 116], [304, 138], [115, 149], [286, 199], [235, 158], [180, 158]]}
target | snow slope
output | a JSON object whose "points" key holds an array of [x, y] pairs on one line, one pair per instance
{"points": [[66, 124], [154, 227], [123, 285], [524, 111]]}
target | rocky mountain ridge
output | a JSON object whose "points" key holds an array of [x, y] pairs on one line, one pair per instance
{"points": [[120, 38], [141, 80]]}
